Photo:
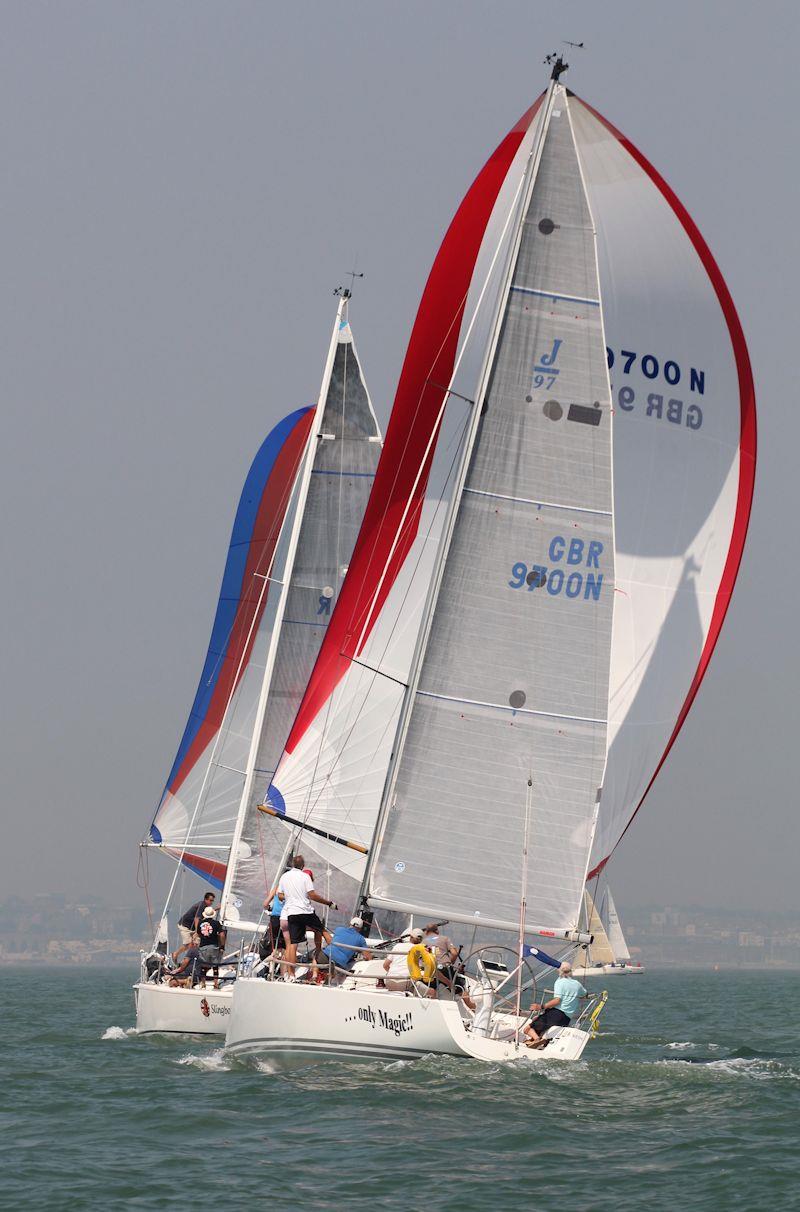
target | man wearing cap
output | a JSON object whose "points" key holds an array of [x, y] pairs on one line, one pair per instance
{"points": [[395, 965], [347, 944], [559, 1011], [445, 952], [212, 942]]}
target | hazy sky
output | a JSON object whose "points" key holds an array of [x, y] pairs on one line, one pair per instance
{"points": [[184, 184]]}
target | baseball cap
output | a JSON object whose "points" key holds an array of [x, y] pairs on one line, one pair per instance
{"points": [[358, 922], [416, 933]]}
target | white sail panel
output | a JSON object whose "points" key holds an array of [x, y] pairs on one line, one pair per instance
{"points": [[514, 682], [334, 778], [338, 486], [684, 450]]}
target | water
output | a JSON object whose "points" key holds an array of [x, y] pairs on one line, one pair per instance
{"points": [[95, 1117]]}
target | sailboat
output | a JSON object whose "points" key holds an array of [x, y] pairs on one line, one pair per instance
{"points": [[579, 587], [608, 953], [294, 531]]}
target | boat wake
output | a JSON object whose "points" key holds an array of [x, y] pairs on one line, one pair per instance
{"points": [[756, 1068], [208, 1062], [119, 1033]]}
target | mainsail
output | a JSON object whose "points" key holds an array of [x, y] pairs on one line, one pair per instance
{"points": [[195, 818], [683, 456], [613, 928], [333, 492], [506, 733], [600, 950]]}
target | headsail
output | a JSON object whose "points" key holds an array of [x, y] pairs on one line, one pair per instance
{"points": [[337, 479], [514, 682], [195, 817]]}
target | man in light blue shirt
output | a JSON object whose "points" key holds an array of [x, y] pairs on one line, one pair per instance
{"points": [[567, 993]]}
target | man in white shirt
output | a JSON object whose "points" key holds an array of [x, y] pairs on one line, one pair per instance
{"points": [[296, 890]]}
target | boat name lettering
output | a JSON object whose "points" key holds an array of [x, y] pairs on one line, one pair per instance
{"points": [[655, 405], [397, 1024], [651, 368], [555, 580]]}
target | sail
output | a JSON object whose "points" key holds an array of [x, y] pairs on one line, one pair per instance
{"points": [[333, 779], [600, 950], [338, 482], [684, 457], [613, 928], [195, 817], [513, 687]]}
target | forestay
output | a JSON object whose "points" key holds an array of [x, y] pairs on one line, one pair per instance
{"points": [[514, 681], [346, 447]]}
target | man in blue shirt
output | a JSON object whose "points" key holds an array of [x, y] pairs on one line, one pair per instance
{"points": [[347, 944], [567, 993]]}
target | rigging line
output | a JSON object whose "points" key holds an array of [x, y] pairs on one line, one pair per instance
{"points": [[311, 806], [209, 767], [379, 672], [283, 505], [432, 441]]}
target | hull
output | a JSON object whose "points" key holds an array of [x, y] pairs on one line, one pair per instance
{"points": [[182, 1011], [609, 970], [288, 1022]]}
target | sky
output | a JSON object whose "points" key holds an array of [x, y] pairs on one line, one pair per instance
{"points": [[184, 186]]}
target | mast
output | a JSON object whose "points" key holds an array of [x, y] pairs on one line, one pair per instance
{"points": [[455, 500], [305, 479], [505, 682]]}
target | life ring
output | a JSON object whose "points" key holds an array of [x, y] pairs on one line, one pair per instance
{"points": [[421, 964]]}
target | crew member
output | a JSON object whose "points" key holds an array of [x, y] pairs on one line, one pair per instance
{"points": [[559, 1011], [187, 924], [296, 888], [212, 942]]}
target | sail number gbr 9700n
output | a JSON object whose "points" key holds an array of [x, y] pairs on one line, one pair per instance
{"points": [[574, 570]]}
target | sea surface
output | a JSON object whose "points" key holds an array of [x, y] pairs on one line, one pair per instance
{"points": [[689, 1099]]}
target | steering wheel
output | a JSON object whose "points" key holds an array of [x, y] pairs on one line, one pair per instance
{"points": [[506, 1001]]}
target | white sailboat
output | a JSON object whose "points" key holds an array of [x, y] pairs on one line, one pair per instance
{"points": [[607, 954], [297, 521], [573, 607]]}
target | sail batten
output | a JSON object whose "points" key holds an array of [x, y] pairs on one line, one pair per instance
{"points": [[522, 616]]}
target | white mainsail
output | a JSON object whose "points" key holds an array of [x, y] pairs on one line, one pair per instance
{"points": [[512, 685], [613, 928], [336, 479]]}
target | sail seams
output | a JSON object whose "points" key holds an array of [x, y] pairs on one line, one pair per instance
{"points": [[500, 496], [554, 295], [551, 715]]}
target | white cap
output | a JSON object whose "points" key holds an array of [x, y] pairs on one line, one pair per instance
{"points": [[209, 911], [358, 922], [416, 933]]}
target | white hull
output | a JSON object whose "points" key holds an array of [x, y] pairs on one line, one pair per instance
{"points": [[186, 1011], [609, 970], [290, 1021]]}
